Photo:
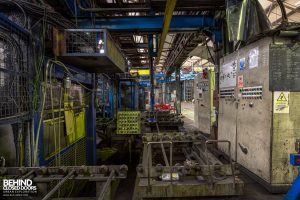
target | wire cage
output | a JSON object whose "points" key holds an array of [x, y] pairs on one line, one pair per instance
{"points": [[92, 50], [85, 42], [54, 96], [15, 75]]}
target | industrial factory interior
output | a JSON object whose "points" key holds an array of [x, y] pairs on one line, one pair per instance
{"points": [[150, 99]]}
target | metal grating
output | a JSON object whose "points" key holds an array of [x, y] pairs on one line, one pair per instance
{"points": [[15, 76], [74, 156], [77, 95], [84, 42], [57, 96]]}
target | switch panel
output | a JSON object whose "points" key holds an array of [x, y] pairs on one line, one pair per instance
{"points": [[227, 93], [251, 92]]}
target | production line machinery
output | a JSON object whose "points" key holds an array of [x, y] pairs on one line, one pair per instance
{"points": [[180, 165], [55, 182], [163, 120]]}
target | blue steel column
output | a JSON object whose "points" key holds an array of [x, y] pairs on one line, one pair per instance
{"points": [[91, 126], [294, 191], [119, 95], [132, 95], [151, 72], [178, 91], [111, 99]]}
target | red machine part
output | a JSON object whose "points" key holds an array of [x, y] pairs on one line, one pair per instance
{"points": [[164, 107]]}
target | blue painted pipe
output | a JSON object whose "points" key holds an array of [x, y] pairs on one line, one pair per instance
{"points": [[6, 22], [294, 191], [154, 23]]}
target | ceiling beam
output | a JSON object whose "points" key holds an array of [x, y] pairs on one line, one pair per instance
{"points": [[166, 25], [150, 23]]}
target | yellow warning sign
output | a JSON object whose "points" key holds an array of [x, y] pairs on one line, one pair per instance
{"points": [[281, 102], [282, 97]]}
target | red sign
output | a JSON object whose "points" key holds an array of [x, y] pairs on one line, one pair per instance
{"points": [[240, 81]]}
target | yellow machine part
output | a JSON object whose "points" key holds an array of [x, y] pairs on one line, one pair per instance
{"points": [[70, 126], [129, 122], [75, 123], [80, 125], [212, 84]]}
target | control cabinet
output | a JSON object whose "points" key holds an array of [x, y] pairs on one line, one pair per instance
{"points": [[261, 124], [204, 112]]}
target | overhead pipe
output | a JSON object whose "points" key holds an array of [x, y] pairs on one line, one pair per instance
{"points": [[283, 11], [288, 33], [140, 9]]}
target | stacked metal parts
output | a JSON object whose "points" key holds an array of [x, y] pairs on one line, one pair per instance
{"points": [[162, 120]]}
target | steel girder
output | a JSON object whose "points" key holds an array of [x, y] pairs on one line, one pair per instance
{"points": [[181, 23]]}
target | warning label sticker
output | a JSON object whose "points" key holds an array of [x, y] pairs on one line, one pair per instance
{"points": [[240, 81], [281, 102]]}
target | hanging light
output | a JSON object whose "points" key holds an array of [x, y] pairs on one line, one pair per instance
{"points": [[101, 46]]}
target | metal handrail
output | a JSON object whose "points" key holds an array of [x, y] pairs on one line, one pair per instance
{"points": [[148, 158], [161, 145], [67, 177], [230, 160], [105, 187]]}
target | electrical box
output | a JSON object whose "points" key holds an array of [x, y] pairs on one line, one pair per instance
{"points": [[295, 159], [261, 124], [204, 112]]}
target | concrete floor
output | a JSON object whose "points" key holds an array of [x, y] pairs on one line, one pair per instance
{"points": [[253, 190], [187, 110]]}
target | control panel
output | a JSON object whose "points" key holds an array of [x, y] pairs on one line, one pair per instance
{"points": [[251, 92], [202, 86], [228, 93]]}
